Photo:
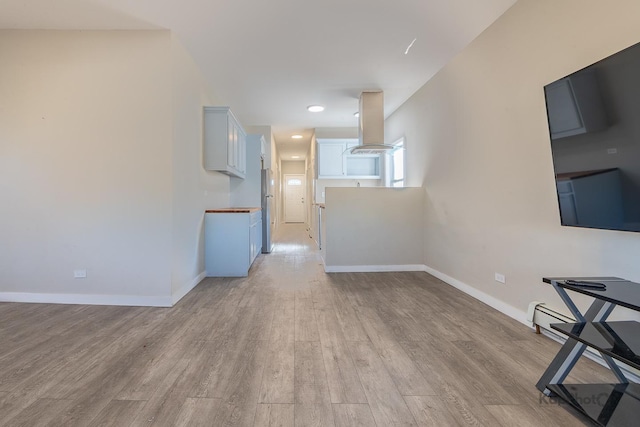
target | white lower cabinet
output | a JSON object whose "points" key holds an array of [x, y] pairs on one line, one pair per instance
{"points": [[233, 240]]}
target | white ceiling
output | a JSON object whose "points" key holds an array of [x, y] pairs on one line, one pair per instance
{"points": [[270, 59]]}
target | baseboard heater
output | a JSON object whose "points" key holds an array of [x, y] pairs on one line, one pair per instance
{"points": [[542, 316]]}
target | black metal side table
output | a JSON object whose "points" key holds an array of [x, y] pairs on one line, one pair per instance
{"points": [[607, 404]]}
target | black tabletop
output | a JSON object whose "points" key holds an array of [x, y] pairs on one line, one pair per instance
{"points": [[619, 291]]}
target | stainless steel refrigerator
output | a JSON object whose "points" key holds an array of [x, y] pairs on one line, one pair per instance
{"points": [[266, 200]]}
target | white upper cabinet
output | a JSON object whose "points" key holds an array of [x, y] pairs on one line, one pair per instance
{"points": [[330, 160], [335, 163], [574, 105], [224, 142]]}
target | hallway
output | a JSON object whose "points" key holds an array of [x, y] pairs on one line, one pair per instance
{"points": [[289, 345]]}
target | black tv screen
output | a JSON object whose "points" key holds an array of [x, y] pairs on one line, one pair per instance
{"points": [[594, 126]]}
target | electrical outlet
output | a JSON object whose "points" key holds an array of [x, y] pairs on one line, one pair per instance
{"points": [[612, 151], [79, 274], [500, 278]]}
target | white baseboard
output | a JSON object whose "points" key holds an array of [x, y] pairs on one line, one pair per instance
{"points": [[177, 296], [514, 313], [88, 299], [519, 315], [501, 306], [371, 268]]}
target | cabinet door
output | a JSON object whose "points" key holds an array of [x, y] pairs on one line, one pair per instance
{"points": [[253, 236], [236, 148], [258, 240], [242, 152], [330, 159], [227, 237], [252, 249], [221, 142], [232, 143]]}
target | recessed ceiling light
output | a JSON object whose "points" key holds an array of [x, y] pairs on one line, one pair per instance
{"points": [[295, 157], [357, 114], [296, 137], [315, 108]]}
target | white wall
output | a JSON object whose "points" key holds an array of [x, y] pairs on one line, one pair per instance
{"points": [[346, 132], [265, 131], [100, 167], [86, 162], [247, 192], [477, 139], [323, 184], [293, 167], [194, 188], [369, 229]]}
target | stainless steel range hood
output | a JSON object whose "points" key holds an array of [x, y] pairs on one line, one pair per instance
{"points": [[371, 129]]}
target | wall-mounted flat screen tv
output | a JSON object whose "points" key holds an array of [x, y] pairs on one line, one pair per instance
{"points": [[594, 125]]}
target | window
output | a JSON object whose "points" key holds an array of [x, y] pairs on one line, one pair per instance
{"points": [[294, 181], [396, 165]]}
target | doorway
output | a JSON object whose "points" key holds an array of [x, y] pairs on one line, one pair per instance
{"points": [[294, 195]]}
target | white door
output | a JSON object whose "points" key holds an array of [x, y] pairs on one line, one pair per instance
{"points": [[294, 198]]}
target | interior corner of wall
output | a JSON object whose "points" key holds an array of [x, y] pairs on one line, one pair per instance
{"points": [[180, 290]]}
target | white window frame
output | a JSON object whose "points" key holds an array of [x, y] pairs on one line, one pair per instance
{"points": [[400, 146]]}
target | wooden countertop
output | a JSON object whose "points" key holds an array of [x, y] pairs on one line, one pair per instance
{"points": [[233, 210]]}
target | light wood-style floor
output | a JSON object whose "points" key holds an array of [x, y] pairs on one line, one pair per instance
{"points": [[289, 345]]}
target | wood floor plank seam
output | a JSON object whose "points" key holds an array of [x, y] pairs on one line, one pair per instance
{"points": [[382, 395], [288, 345]]}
